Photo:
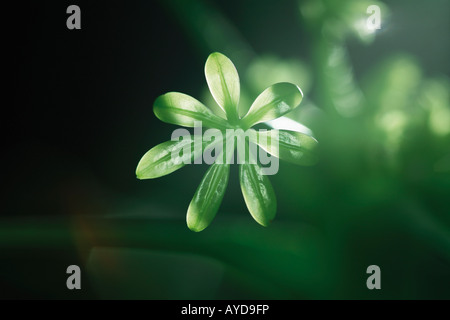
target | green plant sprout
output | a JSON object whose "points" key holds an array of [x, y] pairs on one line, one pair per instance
{"points": [[181, 109]]}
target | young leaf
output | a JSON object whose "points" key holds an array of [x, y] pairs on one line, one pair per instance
{"points": [[223, 82], [169, 156], [161, 160], [258, 193], [181, 109], [291, 146], [273, 102], [208, 197]]}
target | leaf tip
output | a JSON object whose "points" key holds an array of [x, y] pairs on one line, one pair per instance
{"points": [[139, 176], [215, 54], [194, 224], [299, 89], [195, 228], [138, 171], [264, 222]]}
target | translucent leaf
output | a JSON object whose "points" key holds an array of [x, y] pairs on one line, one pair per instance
{"points": [[159, 161], [181, 109], [207, 198], [273, 102], [170, 156], [258, 193], [223, 82], [291, 146]]}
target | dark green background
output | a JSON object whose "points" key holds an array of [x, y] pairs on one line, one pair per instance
{"points": [[80, 117]]}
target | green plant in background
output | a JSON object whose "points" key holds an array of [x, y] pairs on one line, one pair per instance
{"points": [[379, 194], [180, 109]]}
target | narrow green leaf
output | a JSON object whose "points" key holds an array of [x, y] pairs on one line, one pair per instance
{"points": [[223, 82], [291, 146], [207, 198], [181, 109], [258, 193], [164, 158], [169, 156], [273, 102]]}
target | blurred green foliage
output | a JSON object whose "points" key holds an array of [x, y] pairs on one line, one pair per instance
{"points": [[379, 194]]}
